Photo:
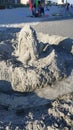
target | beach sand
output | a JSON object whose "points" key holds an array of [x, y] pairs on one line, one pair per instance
{"points": [[46, 108]]}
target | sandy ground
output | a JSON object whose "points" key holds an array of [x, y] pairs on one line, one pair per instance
{"points": [[57, 27], [56, 115]]}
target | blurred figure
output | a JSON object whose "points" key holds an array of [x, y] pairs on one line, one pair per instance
{"points": [[34, 10], [37, 11], [30, 4], [42, 8], [67, 6]]}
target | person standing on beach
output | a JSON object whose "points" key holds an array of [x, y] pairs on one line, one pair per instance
{"points": [[67, 7], [40, 8], [30, 4]]}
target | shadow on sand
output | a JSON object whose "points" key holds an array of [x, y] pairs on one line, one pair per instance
{"points": [[30, 108]]}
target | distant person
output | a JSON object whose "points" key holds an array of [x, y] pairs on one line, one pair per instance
{"points": [[41, 7], [37, 11], [67, 6], [30, 4], [34, 10]]}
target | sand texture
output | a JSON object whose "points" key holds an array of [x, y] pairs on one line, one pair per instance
{"points": [[36, 70]]}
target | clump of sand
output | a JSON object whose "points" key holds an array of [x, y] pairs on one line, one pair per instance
{"points": [[34, 60]]}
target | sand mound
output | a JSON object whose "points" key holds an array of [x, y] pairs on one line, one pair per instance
{"points": [[41, 60]]}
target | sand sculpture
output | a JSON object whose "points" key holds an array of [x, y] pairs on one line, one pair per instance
{"points": [[42, 61]]}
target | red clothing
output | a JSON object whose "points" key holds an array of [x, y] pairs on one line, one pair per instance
{"points": [[30, 5]]}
